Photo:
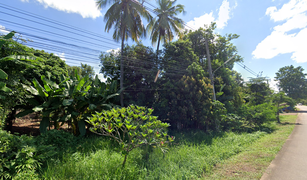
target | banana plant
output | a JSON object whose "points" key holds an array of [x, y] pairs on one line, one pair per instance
{"points": [[46, 99], [72, 101], [3, 87], [85, 97], [3, 75]]}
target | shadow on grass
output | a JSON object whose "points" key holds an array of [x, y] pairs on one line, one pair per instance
{"points": [[194, 137], [287, 123]]}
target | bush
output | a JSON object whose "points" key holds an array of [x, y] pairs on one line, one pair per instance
{"points": [[58, 139], [232, 122], [218, 112], [259, 114], [3, 114], [131, 127], [20, 154]]}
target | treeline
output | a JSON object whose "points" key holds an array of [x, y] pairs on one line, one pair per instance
{"points": [[175, 82]]}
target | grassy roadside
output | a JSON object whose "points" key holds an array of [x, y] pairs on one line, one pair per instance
{"points": [[252, 162]]}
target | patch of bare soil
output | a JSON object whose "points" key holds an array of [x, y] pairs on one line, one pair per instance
{"points": [[29, 125]]}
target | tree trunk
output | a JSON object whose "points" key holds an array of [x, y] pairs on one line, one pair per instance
{"points": [[125, 160], [158, 44], [278, 120], [122, 70], [9, 120]]}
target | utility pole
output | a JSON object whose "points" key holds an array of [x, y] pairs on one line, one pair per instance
{"points": [[209, 67]]}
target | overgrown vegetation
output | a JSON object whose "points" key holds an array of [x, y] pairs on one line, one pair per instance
{"points": [[173, 80]]}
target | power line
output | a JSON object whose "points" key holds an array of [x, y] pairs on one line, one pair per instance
{"points": [[185, 24], [54, 41], [53, 48], [57, 28], [66, 37], [5, 6]]}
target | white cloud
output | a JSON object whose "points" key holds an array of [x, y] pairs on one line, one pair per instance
{"points": [[200, 21], [3, 31], [101, 77], [62, 56], [223, 15], [273, 85], [291, 16], [86, 8], [207, 18], [114, 51]]}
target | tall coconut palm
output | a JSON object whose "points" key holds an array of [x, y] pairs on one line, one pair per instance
{"points": [[126, 18], [161, 28]]}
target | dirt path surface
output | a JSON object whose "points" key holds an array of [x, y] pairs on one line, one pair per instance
{"points": [[291, 161]]}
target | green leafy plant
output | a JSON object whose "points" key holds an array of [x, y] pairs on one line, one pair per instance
{"points": [[20, 154], [281, 101], [58, 139], [72, 100], [131, 127], [218, 111], [259, 114]]}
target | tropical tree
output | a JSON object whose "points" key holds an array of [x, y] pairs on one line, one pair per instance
{"points": [[280, 98], [161, 27], [139, 75], [82, 70], [126, 17], [292, 81]]}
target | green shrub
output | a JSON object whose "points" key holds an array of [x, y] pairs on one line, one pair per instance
{"points": [[259, 114], [58, 139], [25, 175], [131, 127], [3, 114], [218, 112], [20, 154], [231, 122]]}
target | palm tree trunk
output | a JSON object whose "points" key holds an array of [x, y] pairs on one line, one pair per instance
{"points": [[122, 70], [158, 44], [158, 54]]}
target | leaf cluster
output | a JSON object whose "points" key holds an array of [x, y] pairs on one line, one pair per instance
{"points": [[131, 127], [72, 100], [21, 153]]}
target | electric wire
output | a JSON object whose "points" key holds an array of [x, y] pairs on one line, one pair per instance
{"points": [[57, 28], [242, 65], [5, 6], [185, 24], [64, 36], [53, 41]]}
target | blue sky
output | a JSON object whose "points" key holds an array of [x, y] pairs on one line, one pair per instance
{"points": [[273, 33]]}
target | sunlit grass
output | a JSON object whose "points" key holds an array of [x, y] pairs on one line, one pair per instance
{"points": [[252, 163], [189, 157]]}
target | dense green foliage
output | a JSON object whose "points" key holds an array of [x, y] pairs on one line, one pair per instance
{"points": [[22, 64], [181, 92], [292, 81], [72, 101], [83, 70], [20, 154], [191, 154], [173, 81], [131, 127]]}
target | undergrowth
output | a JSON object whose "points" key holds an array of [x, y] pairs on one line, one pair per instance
{"points": [[188, 157]]}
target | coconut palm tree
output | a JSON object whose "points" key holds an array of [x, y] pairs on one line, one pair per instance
{"points": [[161, 28], [126, 18]]}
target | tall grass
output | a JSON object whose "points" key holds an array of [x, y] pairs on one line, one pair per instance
{"points": [[188, 157]]}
